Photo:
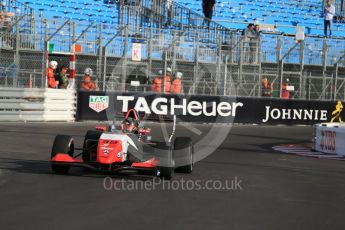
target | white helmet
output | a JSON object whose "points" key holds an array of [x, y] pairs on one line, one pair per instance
{"points": [[88, 71], [160, 72], [169, 70], [53, 64], [179, 75]]}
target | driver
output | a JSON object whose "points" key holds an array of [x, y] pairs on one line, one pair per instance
{"points": [[130, 125]]}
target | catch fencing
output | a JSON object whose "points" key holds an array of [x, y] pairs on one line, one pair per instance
{"points": [[214, 60]]}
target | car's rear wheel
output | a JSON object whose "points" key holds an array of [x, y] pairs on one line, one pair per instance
{"points": [[183, 154], [90, 145], [62, 144], [166, 161]]}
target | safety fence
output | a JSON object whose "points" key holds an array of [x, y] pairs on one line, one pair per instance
{"points": [[18, 104], [212, 62]]}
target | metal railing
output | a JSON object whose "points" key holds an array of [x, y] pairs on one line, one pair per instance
{"points": [[232, 66]]}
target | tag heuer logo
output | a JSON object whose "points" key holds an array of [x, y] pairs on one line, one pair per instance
{"points": [[98, 103]]}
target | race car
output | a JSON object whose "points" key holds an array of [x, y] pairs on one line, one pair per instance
{"points": [[128, 148]]}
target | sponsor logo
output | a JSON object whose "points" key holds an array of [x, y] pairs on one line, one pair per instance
{"points": [[328, 140], [99, 103], [294, 114], [336, 114], [165, 106]]}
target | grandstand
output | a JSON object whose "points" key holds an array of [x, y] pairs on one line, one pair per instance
{"points": [[214, 58], [284, 15]]}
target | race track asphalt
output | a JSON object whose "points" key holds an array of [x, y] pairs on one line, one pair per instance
{"points": [[274, 190]]}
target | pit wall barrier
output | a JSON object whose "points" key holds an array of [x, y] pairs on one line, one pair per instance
{"points": [[18, 104], [329, 138], [102, 106]]}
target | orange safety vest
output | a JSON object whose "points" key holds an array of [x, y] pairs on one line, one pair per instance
{"points": [[51, 78], [285, 93], [267, 89], [157, 85], [176, 86], [167, 84], [88, 86]]}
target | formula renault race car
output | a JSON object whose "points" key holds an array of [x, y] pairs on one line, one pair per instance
{"points": [[126, 149]]}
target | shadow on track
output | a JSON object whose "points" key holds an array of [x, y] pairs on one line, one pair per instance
{"points": [[43, 167]]}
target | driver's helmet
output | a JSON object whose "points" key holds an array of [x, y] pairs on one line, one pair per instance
{"points": [[130, 125]]}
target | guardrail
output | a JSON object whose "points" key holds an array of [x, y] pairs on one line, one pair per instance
{"points": [[37, 104], [329, 138]]}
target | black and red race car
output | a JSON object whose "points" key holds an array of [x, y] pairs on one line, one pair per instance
{"points": [[115, 150]]}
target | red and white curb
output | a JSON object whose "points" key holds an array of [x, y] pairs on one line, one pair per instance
{"points": [[306, 151]]}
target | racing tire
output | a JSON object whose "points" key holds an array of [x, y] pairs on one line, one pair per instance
{"points": [[166, 159], [62, 144], [90, 135], [184, 155]]}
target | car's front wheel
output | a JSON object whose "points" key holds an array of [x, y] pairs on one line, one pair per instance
{"points": [[62, 144]]}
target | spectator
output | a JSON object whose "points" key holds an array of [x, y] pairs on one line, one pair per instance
{"points": [[329, 11], [5, 21], [87, 83], [5, 27], [52, 83], [157, 83], [168, 80], [285, 92], [156, 6], [169, 9], [62, 78], [267, 87], [249, 43], [255, 44], [176, 85], [207, 7]]}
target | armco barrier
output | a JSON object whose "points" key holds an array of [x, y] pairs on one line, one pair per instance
{"points": [[17, 104], [329, 138], [209, 109]]}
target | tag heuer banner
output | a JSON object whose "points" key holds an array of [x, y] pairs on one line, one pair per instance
{"points": [[103, 106]]}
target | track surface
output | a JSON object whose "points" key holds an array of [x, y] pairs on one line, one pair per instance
{"points": [[279, 191]]}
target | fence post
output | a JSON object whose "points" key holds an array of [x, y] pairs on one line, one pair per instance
{"points": [[336, 81], [242, 47], [173, 62], [124, 64], [302, 46], [260, 66], [324, 66], [100, 55], [150, 50], [196, 66], [16, 56], [231, 59], [104, 67], [45, 55], [280, 62], [219, 68]]}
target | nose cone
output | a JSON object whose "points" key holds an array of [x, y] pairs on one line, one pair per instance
{"points": [[110, 151]]}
